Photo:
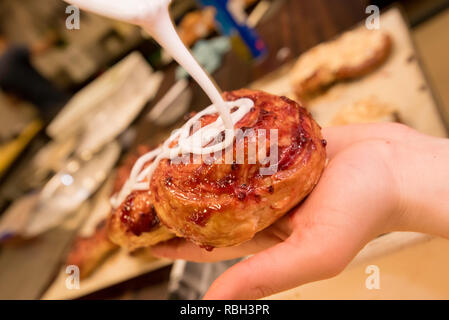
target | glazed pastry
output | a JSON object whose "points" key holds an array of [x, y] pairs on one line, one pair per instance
{"points": [[352, 55], [134, 223], [224, 204]]}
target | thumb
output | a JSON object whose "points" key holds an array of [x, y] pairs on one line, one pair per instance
{"points": [[296, 261]]}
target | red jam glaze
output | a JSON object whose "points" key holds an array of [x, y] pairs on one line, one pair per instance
{"points": [[324, 142], [207, 248], [200, 217], [290, 154], [137, 213], [243, 181]]}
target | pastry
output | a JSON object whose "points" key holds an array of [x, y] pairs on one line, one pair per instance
{"points": [[217, 203], [87, 253], [352, 55]]}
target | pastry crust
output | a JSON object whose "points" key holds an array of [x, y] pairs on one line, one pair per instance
{"points": [[219, 205], [352, 55], [134, 224], [87, 253]]}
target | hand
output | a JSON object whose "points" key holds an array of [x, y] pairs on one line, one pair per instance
{"points": [[380, 178]]}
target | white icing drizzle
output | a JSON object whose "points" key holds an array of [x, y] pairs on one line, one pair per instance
{"points": [[153, 16], [186, 144]]}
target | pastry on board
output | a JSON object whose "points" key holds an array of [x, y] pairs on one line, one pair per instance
{"points": [[351, 55]]}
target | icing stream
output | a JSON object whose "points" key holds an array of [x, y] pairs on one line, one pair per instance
{"points": [[153, 16]]}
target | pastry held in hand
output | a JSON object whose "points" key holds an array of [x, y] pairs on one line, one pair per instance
{"points": [[220, 205], [224, 204]]}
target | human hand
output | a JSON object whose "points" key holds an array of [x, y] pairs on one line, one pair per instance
{"points": [[380, 178]]}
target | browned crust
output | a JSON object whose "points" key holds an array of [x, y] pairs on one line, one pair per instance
{"points": [[89, 252], [323, 78], [122, 237], [118, 233], [368, 66]]}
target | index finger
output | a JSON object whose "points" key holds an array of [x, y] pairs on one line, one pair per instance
{"points": [[339, 138]]}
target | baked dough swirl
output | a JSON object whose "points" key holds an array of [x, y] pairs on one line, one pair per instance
{"points": [[224, 204]]}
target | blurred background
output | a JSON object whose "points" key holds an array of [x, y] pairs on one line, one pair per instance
{"points": [[78, 106]]}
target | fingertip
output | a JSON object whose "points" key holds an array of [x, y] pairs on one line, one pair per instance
{"points": [[237, 283], [160, 251], [167, 249], [219, 292]]}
